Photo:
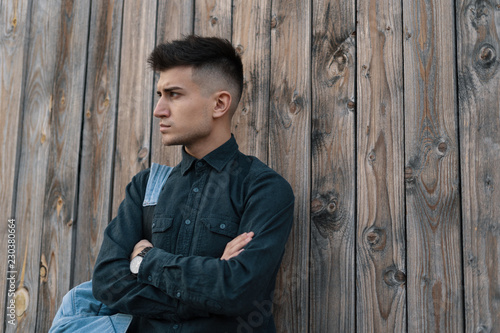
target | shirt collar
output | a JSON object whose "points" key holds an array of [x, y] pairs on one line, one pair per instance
{"points": [[217, 158]]}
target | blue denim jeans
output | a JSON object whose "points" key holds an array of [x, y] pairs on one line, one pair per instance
{"points": [[81, 312]]}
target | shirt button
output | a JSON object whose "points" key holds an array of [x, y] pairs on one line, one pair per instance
{"points": [[200, 164], [222, 226], [150, 278], [175, 326], [178, 294], [153, 225], [187, 222], [196, 190]]}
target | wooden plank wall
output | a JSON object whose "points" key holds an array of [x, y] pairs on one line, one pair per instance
{"points": [[382, 114]]}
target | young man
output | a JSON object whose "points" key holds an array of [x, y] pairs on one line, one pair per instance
{"points": [[205, 257]]}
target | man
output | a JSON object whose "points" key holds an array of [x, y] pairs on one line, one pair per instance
{"points": [[205, 257]]}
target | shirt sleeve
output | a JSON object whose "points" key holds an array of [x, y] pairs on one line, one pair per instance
{"points": [[231, 287], [112, 282]]}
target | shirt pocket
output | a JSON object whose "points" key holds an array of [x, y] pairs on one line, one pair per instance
{"points": [[162, 233], [215, 233]]}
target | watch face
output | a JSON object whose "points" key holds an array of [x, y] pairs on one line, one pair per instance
{"points": [[135, 264]]}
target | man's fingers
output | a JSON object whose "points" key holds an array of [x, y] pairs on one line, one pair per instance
{"points": [[234, 247]]}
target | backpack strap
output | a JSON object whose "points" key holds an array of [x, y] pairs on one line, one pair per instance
{"points": [[157, 177]]}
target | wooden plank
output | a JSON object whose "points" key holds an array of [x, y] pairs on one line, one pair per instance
{"points": [[333, 192], [175, 19], [60, 197], [135, 102], [289, 151], [431, 169], [213, 18], [381, 294], [99, 126], [252, 39], [38, 104], [15, 20], [478, 48]]}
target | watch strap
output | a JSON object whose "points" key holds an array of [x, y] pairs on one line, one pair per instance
{"points": [[144, 251]]}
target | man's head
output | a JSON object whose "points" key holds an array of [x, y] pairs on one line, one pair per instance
{"points": [[199, 88], [216, 64]]}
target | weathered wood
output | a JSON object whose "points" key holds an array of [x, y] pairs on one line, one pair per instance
{"points": [[135, 102], [38, 101], [431, 169], [175, 19], [381, 294], [333, 191], [478, 48], [213, 18], [289, 151], [252, 38], [14, 29], [62, 169], [99, 126]]}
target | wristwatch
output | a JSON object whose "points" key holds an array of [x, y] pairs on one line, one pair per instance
{"points": [[135, 263]]}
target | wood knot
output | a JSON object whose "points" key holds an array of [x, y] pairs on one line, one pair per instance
{"points": [[43, 269], [14, 22], [376, 238], [297, 103], [213, 20], [22, 301], [274, 22], [442, 147], [59, 205], [240, 49], [88, 114], [143, 153], [351, 105], [486, 56], [409, 174], [394, 277], [488, 182], [70, 223], [106, 102], [407, 36], [372, 156], [326, 213]]}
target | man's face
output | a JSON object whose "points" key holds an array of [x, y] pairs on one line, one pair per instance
{"points": [[184, 109]]}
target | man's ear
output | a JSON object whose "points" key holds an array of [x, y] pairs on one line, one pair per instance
{"points": [[222, 104]]}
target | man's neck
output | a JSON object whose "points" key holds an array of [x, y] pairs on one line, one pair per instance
{"points": [[200, 150]]}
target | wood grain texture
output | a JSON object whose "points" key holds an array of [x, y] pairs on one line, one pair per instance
{"points": [[99, 126], [333, 192], [252, 40], [62, 169], [14, 29], [289, 152], [175, 19], [135, 102], [434, 262], [213, 18], [478, 49], [37, 135], [381, 293]]}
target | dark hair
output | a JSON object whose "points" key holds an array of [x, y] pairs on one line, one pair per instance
{"points": [[206, 53]]}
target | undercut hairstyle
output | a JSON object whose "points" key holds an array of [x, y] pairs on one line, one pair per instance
{"points": [[206, 55]]}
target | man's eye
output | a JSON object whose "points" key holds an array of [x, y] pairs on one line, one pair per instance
{"points": [[173, 94]]}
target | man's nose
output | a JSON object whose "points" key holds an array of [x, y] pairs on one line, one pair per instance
{"points": [[161, 109]]}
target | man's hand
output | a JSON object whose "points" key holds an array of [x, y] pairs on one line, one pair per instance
{"points": [[139, 247], [234, 247]]}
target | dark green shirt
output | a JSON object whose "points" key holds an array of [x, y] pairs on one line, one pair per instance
{"points": [[182, 285]]}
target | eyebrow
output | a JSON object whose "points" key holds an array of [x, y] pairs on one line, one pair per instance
{"points": [[169, 89]]}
